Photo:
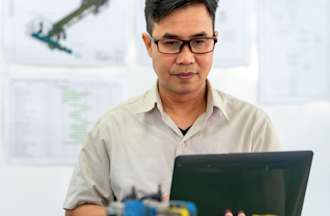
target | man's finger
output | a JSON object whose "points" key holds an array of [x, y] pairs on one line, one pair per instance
{"points": [[228, 213], [241, 213]]}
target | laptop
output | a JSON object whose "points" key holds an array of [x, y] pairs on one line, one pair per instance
{"points": [[265, 183]]}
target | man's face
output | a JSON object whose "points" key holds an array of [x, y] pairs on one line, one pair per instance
{"points": [[184, 72]]}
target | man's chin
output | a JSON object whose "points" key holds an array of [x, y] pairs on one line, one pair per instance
{"points": [[185, 90], [182, 89]]}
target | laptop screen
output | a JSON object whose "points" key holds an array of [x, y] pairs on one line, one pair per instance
{"points": [[272, 183]]}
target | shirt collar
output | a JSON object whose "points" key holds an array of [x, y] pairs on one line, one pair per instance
{"points": [[151, 99], [215, 100]]}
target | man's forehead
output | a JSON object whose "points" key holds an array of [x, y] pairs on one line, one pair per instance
{"points": [[183, 30], [186, 22]]}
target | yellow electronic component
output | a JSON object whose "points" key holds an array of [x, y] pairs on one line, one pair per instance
{"points": [[178, 211], [264, 215]]}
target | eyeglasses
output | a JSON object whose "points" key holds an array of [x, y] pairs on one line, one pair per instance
{"points": [[199, 45]]}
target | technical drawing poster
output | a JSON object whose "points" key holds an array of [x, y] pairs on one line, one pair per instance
{"points": [[66, 32], [235, 23], [140, 27], [48, 120], [294, 50]]}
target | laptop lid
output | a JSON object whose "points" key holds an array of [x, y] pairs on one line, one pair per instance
{"points": [[266, 183]]}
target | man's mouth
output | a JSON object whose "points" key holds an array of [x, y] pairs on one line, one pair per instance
{"points": [[185, 75]]}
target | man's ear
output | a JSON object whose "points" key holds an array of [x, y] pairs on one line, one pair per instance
{"points": [[216, 34], [147, 42]]}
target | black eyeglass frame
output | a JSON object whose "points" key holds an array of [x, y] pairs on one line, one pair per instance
{"points": [[184, 42]]}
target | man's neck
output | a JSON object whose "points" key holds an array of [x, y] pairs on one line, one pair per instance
{"points": [[184, 109]]}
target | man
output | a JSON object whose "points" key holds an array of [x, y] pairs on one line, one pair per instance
{"points": [[135, 143]]}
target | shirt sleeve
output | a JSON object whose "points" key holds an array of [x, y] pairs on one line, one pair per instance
{"points": [[90, 182], [264, 137]]}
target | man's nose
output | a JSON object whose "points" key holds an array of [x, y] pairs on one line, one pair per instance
{"points": [[185, 56]]}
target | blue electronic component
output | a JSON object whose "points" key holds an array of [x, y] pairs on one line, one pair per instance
{"points": [[151, 205], [152, 208]]}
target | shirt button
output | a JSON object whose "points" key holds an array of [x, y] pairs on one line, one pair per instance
{"points": [[185, 145]]}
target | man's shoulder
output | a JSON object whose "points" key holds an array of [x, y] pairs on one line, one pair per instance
{"points": [[235, 106], [250, 123], [123, 110], [128, 105]]}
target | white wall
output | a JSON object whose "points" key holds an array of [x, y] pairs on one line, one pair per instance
{"points": [[39, 191]]}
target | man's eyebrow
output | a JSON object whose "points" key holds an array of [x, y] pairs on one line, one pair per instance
{"points": [[201, 34], [170, 36], [173, 36]]}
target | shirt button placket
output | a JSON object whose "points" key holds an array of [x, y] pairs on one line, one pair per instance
{"points": [[181, 148]]}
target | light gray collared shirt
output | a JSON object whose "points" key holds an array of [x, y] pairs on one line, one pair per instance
{"points": [[135, 144]]}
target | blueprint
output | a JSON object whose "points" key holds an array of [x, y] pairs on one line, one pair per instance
{"points": [[66, 32], [294, 51], [47, 120], [235, 23], [142, 57]]}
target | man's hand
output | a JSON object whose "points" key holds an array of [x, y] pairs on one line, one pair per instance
{"points": [[87, 210], [230, 213]]}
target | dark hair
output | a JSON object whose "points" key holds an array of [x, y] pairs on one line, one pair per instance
{"points": [[155, 10]]}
